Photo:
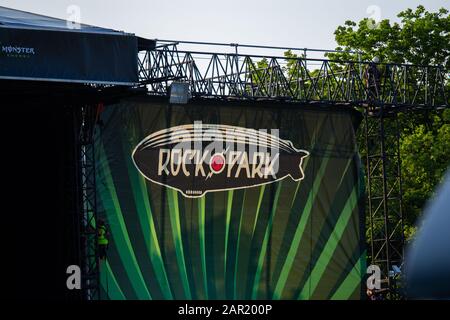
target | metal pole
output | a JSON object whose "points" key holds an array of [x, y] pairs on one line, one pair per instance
{"points": [[369, 184], [304, 56], [385, 195], [400, 195], [360, 66], [90, 273]]}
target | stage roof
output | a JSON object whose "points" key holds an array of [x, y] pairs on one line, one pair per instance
{"points": [[38, 47], [26, 20]]}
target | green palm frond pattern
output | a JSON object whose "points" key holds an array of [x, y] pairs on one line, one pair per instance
{"points": [[284, 240]]}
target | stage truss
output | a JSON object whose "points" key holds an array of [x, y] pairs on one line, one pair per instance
{"points": [[90, 266], [297, 79]]}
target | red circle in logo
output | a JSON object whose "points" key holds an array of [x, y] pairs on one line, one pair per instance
{"points": [[217, 163]]}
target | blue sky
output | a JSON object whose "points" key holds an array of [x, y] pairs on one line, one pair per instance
{"points": [[278, 23]]}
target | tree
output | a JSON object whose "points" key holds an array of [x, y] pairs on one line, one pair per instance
{"points": [[425, 159], [421, 38]]}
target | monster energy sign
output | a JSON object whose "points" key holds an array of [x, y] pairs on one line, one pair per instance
{"points": [[199, 158]]}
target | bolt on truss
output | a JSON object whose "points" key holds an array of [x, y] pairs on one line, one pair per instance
{"points": [[232, 75], [88, 214]]}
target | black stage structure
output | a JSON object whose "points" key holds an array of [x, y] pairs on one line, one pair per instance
{"points": [[235, 76], [51, 72]]}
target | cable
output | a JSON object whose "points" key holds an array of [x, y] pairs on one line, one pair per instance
{"points": [[251, 46], [107, 284]]}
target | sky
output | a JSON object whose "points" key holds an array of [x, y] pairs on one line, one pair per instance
{"points": [[286, 23]]}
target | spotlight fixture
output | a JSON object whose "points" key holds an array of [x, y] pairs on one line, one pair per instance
{"points": [[179, 93]]}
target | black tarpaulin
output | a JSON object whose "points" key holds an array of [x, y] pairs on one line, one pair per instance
{"points": [[37, 47]]}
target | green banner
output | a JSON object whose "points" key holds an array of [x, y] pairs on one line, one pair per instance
{"points": [[286, 222]]}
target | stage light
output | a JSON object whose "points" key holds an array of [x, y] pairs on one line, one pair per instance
{"points": [[179, 93], [395, 271]]}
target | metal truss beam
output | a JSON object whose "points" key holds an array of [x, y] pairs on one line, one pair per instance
{"points": [[384, 191], [88, 214], [232, 75]]}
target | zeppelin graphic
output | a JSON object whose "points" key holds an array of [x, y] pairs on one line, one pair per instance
{"points": [[199, 158]]}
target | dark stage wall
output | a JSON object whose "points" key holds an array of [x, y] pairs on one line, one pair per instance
{"points": [[285, 240], [38, 196]]}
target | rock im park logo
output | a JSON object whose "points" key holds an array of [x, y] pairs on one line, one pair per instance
{"points": [[199, 158]]}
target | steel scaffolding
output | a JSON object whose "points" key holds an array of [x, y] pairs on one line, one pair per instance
{"points": [[384, 191], [291, 78], [88, 210]]}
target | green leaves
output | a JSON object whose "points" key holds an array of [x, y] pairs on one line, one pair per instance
{"points": [[425, 152], [422, 38]]}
